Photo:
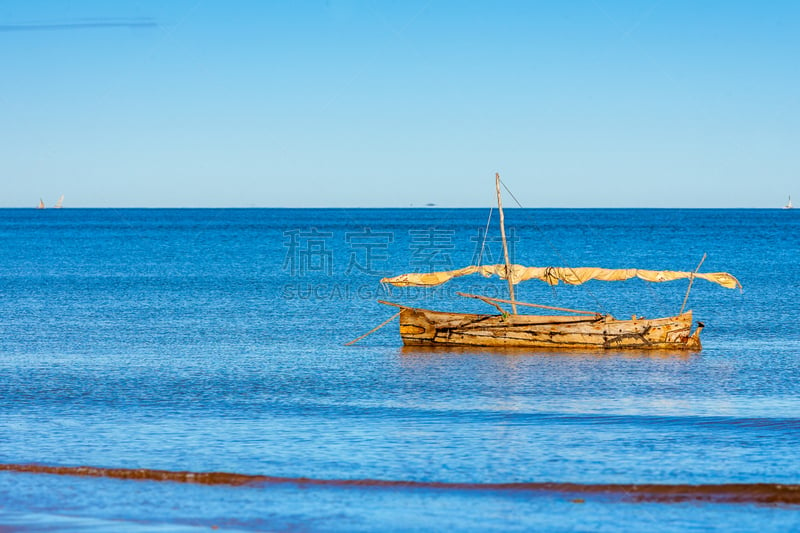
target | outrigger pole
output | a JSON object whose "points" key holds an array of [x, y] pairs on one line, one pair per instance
{"points": [[376, 328], [505, 245]]}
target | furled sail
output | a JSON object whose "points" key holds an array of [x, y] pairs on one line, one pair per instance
{"points": [[552, 275]]}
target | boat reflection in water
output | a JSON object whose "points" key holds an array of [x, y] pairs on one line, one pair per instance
{"points": [[410, 352]]}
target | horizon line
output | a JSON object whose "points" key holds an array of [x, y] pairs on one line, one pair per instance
{"points": [[429, 207]]}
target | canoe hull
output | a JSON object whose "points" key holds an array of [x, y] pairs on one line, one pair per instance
{"points": [[424, 327]]}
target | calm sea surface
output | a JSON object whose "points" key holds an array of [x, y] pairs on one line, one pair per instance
{"points": [[213, 340]]}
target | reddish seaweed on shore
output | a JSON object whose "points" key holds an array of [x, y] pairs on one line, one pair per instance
{"points": [[761, 493]]}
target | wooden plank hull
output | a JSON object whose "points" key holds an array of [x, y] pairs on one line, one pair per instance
{"points": [[424, 327]]}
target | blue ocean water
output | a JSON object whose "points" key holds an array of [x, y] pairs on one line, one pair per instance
{"points": [[213, 340]]}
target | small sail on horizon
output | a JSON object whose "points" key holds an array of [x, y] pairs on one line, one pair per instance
{"points": [[41, 204], [59, 204], [789, 205]]}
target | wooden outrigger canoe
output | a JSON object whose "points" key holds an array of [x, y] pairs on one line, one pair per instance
{"points": [[585, 330], [424, 327]]}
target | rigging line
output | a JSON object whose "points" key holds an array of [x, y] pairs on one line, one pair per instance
{"points": [[485, 233], [511, 193], [376, 328], [556, 251]]}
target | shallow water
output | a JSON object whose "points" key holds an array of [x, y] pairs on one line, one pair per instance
{"points": [[212, 340]]}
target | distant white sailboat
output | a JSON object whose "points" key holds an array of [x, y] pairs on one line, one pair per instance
{"points": [[59, 203], [41, 204], [789, 205]]}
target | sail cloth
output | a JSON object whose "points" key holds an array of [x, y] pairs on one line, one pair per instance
{"points": [[552, 275]]}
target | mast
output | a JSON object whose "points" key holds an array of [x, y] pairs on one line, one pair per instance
{"points": [[505, 245]]}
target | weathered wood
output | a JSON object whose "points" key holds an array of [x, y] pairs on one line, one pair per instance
{"points": [[540, 306], [486, 300], [505, 245], [426, 327]]}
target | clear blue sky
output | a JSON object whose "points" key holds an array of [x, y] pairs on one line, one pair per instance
{"points": [[346, 103]]}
